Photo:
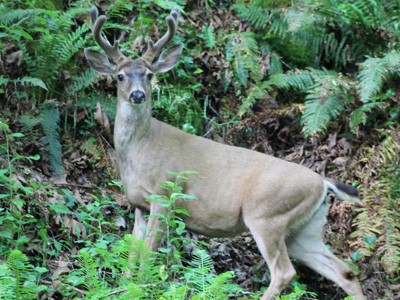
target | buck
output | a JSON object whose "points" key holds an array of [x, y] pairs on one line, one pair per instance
{"points": [[282, 204]]}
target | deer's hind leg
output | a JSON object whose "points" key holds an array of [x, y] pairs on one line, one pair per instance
{"points": [[307, 246], [270, 239]]}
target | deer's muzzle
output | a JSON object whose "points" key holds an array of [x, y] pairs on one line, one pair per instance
{"points": [[137, 97]]}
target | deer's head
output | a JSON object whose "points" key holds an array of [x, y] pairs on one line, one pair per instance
{"points": [[133, 75]]}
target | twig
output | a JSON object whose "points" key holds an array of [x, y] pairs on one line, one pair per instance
{"points": [[74, 288]]}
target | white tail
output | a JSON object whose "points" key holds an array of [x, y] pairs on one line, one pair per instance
{"points": [[282, 204], [344, 192]]}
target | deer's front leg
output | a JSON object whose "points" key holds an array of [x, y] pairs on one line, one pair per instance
{"points": [[156, 226], [140, 226]]}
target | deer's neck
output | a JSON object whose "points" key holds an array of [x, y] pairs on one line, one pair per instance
{"points": [[132, 126]]}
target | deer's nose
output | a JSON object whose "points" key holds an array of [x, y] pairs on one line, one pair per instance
{"points": [[137, 97]]}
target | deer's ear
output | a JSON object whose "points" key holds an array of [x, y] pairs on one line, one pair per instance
{"points": [[167, 59], [100, 62]]}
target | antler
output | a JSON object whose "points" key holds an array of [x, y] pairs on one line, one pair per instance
{"points": [[153, 50], [96, 24]]}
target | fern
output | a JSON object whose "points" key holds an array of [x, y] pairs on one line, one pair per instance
{"points": [[324, 103], [71, 45], [29, 81], [374, 72], [205, 284], [8, 17], [126, 270], [120, 9], [82, 81], [24, 81], [135, 253], [318, 113], [360, 115], [201, 267], [256, 92], [275, 63], [51, 140], [300, 80], [380, 218], [28, 122], [18, 278], [371, 77], [241, 54], [208, 36], [55, 44]]}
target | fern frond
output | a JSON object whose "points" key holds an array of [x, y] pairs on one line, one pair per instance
{"points": [[70, 44], [255, 93], [374, 72], [7, 17], [30, 81], [89, 265], [208, 36], [392, 61], [301, 80], [241, 53], [218, 286], [120, 9], [4, 80], [318, 113], [7, 283], [255, 15], [28, 122], [51, 140], [17, 262], [360, 115], [17, 278], [197, 276], [371, 78], [275, 63], [135, 259], [81, 81]]}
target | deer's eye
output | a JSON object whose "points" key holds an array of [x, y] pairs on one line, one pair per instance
{"points": [[150, 76], [120, 77]]}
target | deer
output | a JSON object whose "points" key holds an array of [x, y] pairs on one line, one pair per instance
{"points": [[282, 204]]}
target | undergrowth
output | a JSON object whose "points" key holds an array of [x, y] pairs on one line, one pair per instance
{"points": [[377, 222]]}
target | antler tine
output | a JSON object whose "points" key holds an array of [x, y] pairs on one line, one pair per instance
{"points": [[96, 24], [153, 50]]}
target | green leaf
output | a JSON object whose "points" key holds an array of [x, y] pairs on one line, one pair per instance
{"points": [[60, 209], [181, 211], [167, 5], [356, 256], [35, 157], [357, 117], [31, 81], [181, 227], [5, 234], [17, 134], [370, 240], [22, 33], [164, 250], [41, 270]]}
